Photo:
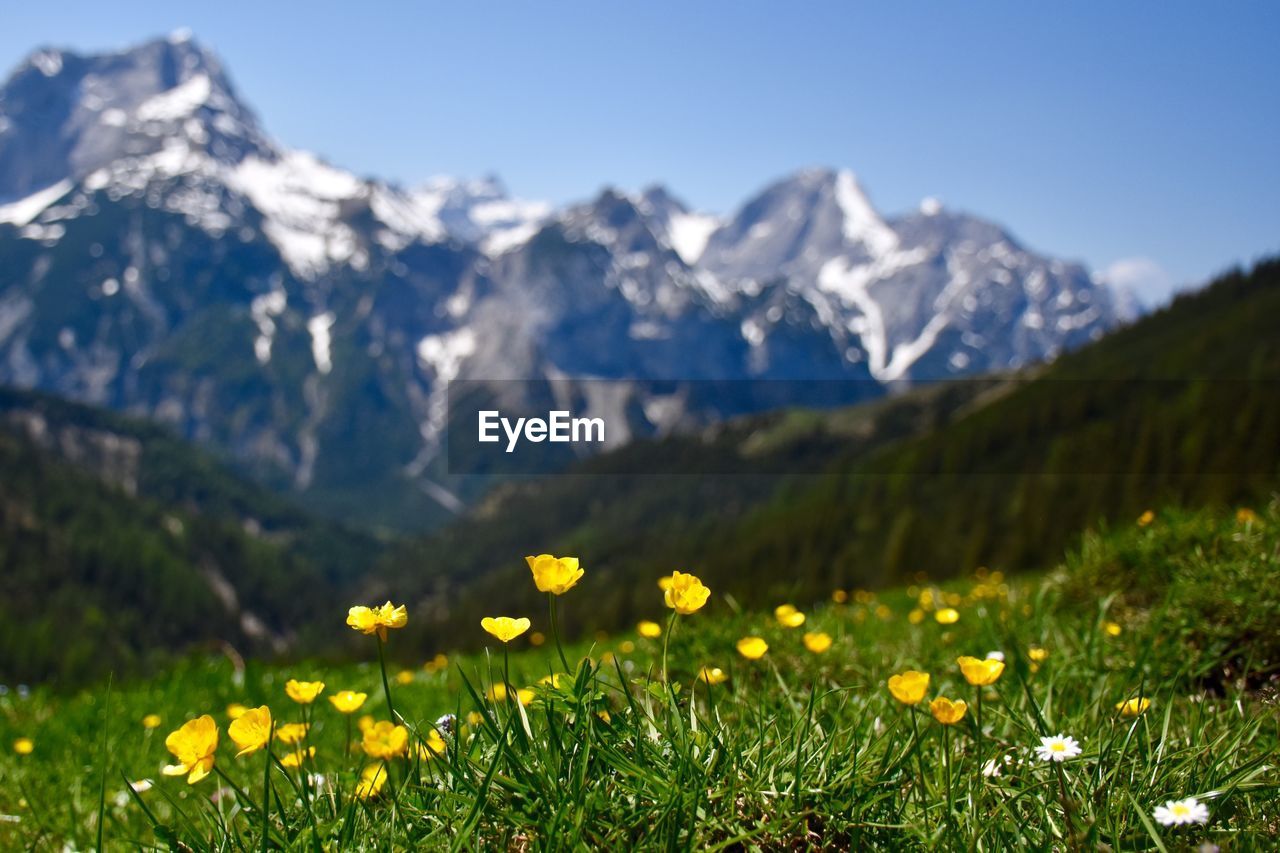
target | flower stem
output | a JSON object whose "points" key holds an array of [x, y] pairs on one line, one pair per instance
{"points": [[386, 685], [946, 764], [666, 639], [266, 787], [555, 629]]}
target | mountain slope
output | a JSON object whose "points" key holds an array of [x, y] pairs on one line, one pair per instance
{"points": [[162, 255], [122, 547], [1181, 407]]}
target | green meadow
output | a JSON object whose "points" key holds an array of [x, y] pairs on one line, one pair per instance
{"points": [[1151, 648]]}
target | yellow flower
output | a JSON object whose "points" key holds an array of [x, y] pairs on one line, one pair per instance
{"points": [[525, 696], [404, 676], [365, 723], [752, 648], [817, 641], [376, 620], [347, 701], [151, 721], [505, 628], [947, 616], [664, 582], [909, 687], [251, 731], [980, 673], [1244, 515], [788, 616], [537, 638], [1038, 654], [1133, 707], [1146, 518], [839, 596], [947, 712], [555, 680], [556, 575], [713, 675], [294, 759], [385, 740], [303, 692], [652, 630], [193, 745], [291, 733], [24, 746], [686, 594], [431, 747], [916, 616], [372, 778], [626, 647], [1112, 629], [236, 710], [437, 663]]}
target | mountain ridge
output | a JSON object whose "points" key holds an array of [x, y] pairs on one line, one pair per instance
{"points": [[180, 264]]}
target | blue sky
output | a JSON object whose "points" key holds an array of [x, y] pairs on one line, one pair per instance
{"points": [[1142, 133]]}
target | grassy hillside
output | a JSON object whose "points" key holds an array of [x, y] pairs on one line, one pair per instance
{"points": [[120, 546], [1181, 408], [797, 749]]}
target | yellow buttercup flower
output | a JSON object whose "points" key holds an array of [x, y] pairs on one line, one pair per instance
{"points": [[978, 672], [235, 710], [291, 733], [151, 721], [1133, 707], [404, 677], [686, 594], [251, 731], [1244, 515], [788, 616], [839, 596], [713, 675], [817, 641], [916, 616], [365, 723], [652, 630], [947, 712], [193, 745], [24, 746], [556, 575], [376, 620], [1038, 654], [664, 582], [1146, 518], [909, 687], [294, 759], [347, 701], [303, 692], [554, 680], [505, 628], [431, 747], [752, 648], [437, 663], [1112, 629], [385, 740], [372, 778], [947, 616]]}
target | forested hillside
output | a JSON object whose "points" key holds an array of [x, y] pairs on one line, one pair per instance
{"points": [[1180, 408]]}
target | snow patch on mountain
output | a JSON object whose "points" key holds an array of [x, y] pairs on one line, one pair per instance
{"points": [[24, 210]]}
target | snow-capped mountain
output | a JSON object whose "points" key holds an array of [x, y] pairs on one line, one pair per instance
{"points": [[161, 254]]}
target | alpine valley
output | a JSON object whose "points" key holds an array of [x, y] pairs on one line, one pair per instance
{"points": [[162, 255]]}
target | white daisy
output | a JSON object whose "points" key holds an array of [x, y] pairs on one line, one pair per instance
{"points": [[1058, 748], [1178, 812]]}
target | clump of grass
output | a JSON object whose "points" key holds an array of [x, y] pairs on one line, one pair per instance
{"points": [[796, 748], [1203, 581]]}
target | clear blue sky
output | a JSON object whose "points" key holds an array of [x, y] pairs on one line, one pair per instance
{"points": [[1097, 131]]}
